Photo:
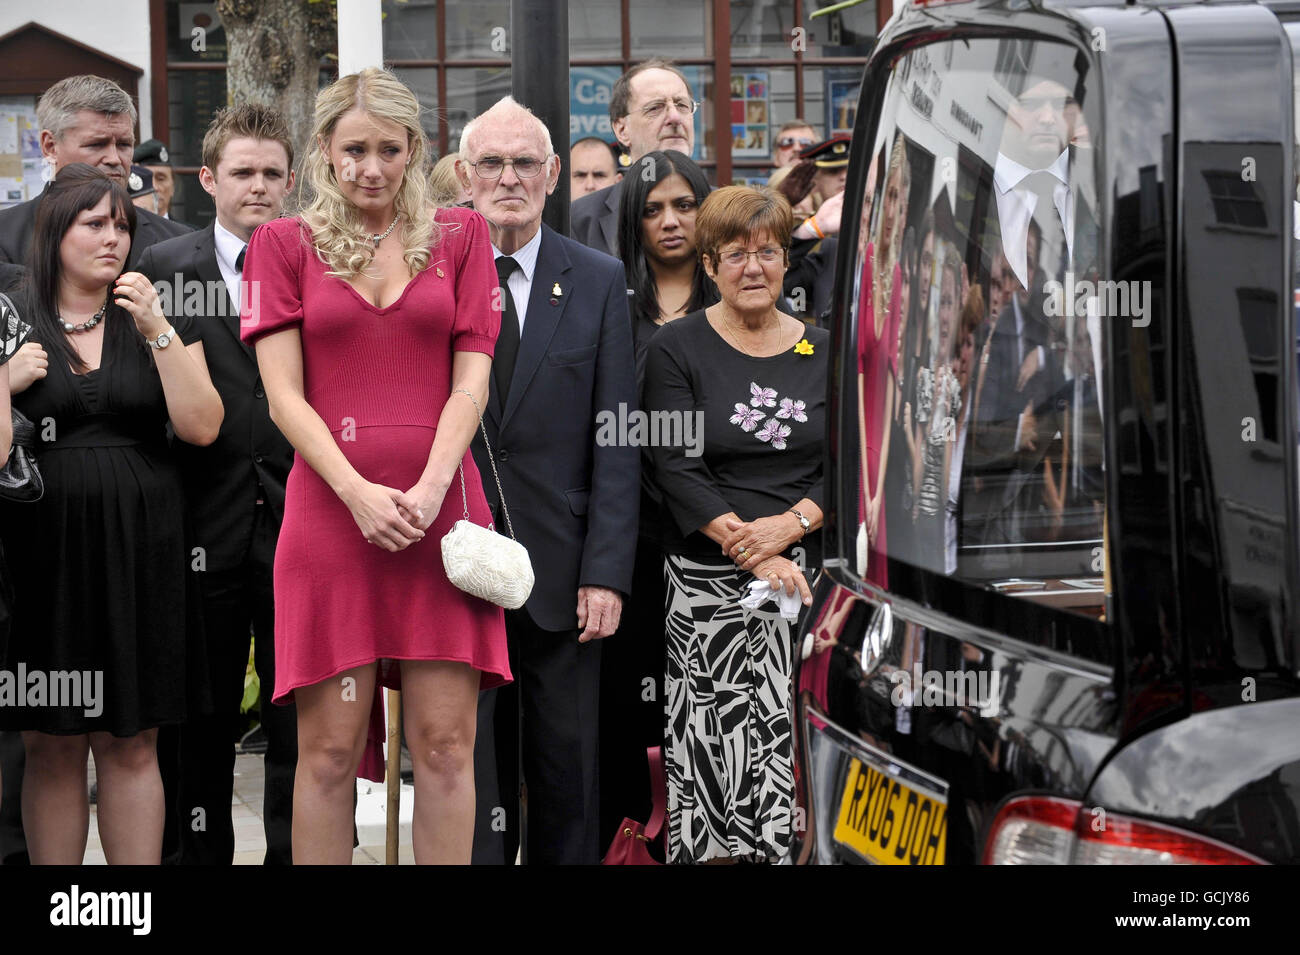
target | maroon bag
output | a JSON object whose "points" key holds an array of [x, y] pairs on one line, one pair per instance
{"points": [[630, 842]]}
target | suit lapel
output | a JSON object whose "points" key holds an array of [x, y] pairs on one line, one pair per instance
{"points": [[609, 221], [544, 312], [209, 273]]}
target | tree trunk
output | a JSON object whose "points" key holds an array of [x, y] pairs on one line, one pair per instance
{"points": [[273, 56]]}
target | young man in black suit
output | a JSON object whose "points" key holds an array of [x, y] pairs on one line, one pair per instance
{"points": [[84, 119], [564, 354], [235, 487]]}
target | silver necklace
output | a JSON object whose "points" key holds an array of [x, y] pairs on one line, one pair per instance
{"points": [[744, 351], [376, 239], [89, 323]]}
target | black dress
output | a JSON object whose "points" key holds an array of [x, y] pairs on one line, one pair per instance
{"points": [[100, 567]]}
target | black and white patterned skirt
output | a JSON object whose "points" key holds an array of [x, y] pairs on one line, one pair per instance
{"points": [[727, 745]]}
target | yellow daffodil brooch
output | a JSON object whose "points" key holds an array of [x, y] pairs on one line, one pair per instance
{"points": [[804, 347]]}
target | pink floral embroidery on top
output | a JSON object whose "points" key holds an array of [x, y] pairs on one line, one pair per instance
{"points": [[762, 397], [792, 408], [747, 418], [775, 432]]}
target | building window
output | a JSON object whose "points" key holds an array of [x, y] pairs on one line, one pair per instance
{"points": [[456, 57], [1235, 201]]}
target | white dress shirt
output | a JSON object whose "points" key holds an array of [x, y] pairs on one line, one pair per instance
{"points": [[521, 279], [1016, 207], [229, 246]]}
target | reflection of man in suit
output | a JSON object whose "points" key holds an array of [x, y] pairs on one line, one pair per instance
{"points": [[1017, 410], [651, 107], [234, 488], [564, 355], [84, 119]]}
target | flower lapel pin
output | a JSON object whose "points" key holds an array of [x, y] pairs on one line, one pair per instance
{"points": [[804, 347]]}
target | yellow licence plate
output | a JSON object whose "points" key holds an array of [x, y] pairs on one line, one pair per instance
{"points": [[888, 822]]}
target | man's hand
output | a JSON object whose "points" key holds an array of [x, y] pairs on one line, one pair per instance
{"points": [[828, 214], [599, 609], [1028, 429], [1028, 369]]}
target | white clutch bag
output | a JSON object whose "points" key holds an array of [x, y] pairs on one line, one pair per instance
{"points": [[482, 562]]}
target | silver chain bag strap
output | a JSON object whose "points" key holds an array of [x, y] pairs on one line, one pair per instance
{"points": [[480, 561]]}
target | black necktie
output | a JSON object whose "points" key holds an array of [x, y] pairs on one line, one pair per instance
{"points": [[1043, 184], [239, 260], [507, 348]]}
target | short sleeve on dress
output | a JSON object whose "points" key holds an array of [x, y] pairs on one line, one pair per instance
{"points": [[187, 329], [272, 298], [476, 322], [13, 330]]}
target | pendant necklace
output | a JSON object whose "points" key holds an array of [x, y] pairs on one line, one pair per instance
{"points": [[89, 323], [376, 239]]}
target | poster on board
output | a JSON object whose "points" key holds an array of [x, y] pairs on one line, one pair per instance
{"points": [[841, 101], [750, 113]]}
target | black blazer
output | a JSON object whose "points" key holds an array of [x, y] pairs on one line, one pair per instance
{"points": [[573, 502], [17, 223], [593, 219], [222, 479]]}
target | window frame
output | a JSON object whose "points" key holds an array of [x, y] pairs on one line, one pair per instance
{"points": [[962, 604]]}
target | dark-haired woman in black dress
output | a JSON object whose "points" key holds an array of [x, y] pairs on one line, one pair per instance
{"points": [[99, 564]]}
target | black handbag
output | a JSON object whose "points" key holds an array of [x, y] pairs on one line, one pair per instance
{"points": [[19, 478]]}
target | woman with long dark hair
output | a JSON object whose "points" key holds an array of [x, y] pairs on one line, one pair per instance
{"points": [[100, 563], [656, 238]]}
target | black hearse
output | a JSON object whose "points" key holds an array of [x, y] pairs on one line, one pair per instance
{"points": [[1058, 616]]}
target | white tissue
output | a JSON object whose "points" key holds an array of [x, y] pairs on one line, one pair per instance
{"points": [[760, 592]]}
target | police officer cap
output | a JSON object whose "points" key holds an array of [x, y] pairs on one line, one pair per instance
{"points": [[830, 154], [152, 153], [139, 182]]}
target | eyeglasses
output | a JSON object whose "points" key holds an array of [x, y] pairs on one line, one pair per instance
{"points": [[684, 206], [785, 142], [737, 258], [654, 110], [491, 167]]}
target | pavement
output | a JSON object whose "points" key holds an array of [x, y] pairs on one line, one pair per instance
{"points": [[250, 838]]}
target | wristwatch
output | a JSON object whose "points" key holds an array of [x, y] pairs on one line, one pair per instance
{"points": [[163, 340], [803, 521]]}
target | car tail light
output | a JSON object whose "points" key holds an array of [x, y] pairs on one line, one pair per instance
{"points": [[1048, 830], [1032, 830]]}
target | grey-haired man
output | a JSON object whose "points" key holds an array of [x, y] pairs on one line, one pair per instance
{"points": [[92, 120]]}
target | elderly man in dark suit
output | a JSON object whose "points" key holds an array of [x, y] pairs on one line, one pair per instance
{"points": [[651, 107], [84, 119], [235, 487], [563, 356]]}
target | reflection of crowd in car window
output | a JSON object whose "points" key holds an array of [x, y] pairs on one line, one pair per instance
{"points": [[981, 424]]}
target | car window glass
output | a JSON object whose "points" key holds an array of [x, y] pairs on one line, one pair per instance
{"points": [[978, 305]]}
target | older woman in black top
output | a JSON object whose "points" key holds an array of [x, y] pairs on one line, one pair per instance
{"points": [[745, 508]]}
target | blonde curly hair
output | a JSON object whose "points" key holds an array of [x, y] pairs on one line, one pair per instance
{"points": [[338, 233]]}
